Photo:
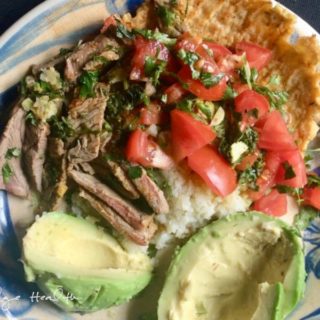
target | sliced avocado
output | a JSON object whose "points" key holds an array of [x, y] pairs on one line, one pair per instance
{"points": [[81, 266], [245, 266]]}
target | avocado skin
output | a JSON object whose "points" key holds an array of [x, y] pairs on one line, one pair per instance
{"points": [[286, 294]]}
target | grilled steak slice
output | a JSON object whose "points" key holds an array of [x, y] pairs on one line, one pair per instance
{"points": [[12, 137], [100, 190], [87, 114], [86, 149], [152, 193], [105, 138], [56, 147], [77, 60], [34, 149], [121, 176], [141, 236], [60, 187]]}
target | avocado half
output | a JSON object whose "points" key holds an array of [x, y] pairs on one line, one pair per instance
{"points": [[245, 266], [81, 267]]}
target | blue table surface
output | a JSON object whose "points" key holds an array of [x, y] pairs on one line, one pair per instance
{"points": [[12, 10]]}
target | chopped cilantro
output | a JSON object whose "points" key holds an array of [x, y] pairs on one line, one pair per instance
{"points": [[250, 138], [6, 173], [152, 250], [107, 126], [190, 58], [186, 105], [274, 80], [166, 16], [305, 216], [13, 153], [250, 175], [209, 79], [207, 108], [229, 94], [153, 69], [156, 35], [295, 192], [289, 171], [60, 128], [313, 180], [31, 119], [277, 99], [134, 172], [88, 80], [64, 51], [158, 178], [122, 32]]}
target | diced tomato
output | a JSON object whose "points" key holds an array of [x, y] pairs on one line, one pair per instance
{"points": [[294, 159], [188, 134], [273, 204], [257, 56], [110, 21], [141, 149], [248, 161], [267, 177], [274, 133], [146, 48], [220, 177], [217, 49], [214, 93], [240, 87], [251, 105], [174, 93], [151, 114], [311, 197]]}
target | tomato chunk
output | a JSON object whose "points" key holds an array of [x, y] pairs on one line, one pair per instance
{"points": [[251, 105], [141, 149], [214, 93], [174, 93], [188, 134], [110, 21], [267, 177], [146, 48], [292, 161], [151, 114], [274, 133], [311, 197], [273, 204], [217, 49], [257, 56], [248, 161], [220, 177]]}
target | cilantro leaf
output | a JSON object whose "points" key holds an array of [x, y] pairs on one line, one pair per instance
{"points": [[153, 68], [134, 172], [289, 171], [60, 128], [122, 32], [305, 216], [313, 181], [209, 79], [88, 80], [277, 99], [6, 173], [156, 35], [166, 16], [13, 153]]}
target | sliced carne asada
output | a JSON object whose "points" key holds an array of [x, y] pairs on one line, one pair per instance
{"points": [[105, 138], [34, 150], [13, 179], [77, 60], [121, 176], [100, 190], [141, 236], [56, 147], [87, 114], [151, 192], [86, 149], [60, 187]]}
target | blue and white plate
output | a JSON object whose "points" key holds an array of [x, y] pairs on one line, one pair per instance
{"points": [[36, 37]]}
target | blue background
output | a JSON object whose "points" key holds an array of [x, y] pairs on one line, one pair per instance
{"points": [[12, 10]]}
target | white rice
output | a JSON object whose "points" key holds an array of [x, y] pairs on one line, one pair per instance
{"points": [[192, 205]]}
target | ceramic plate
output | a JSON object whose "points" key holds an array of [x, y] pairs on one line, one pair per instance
{"points": [[33, 39]]}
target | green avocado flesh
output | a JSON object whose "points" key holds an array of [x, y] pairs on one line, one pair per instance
{"points": [[245, 266], [80, 266]]}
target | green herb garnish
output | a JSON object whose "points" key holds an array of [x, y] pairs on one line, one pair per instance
{"points": [[305, 216], [87, 81], [134, 172], [13, 153], [289, 171], [209, 79], [60, 128], [156, 35], [6, 173], [166, 16], [153, 69]]}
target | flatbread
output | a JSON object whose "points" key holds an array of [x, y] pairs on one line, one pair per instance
{"points": [[229, 21]]}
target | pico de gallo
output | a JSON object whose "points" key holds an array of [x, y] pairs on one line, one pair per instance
{"points": [[193, 101]]}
